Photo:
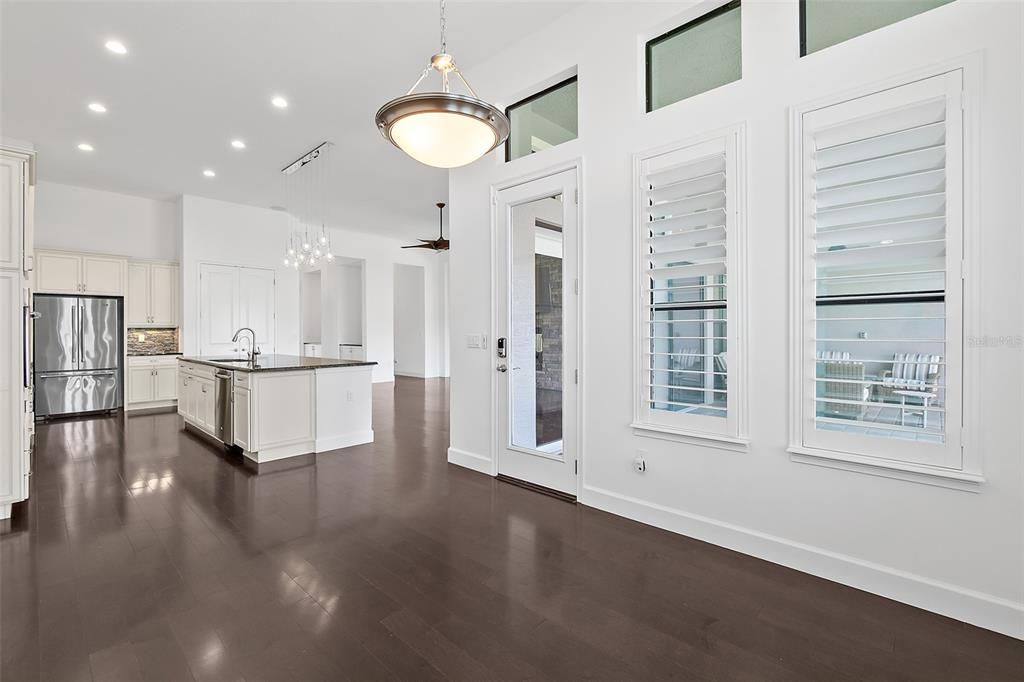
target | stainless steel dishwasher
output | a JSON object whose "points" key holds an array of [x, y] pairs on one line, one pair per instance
{"points": [[223, 419]]}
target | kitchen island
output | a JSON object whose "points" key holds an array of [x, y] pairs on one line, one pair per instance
{"points": [[280, 406]]}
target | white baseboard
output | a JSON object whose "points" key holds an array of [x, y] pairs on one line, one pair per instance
{"points": [[469, 460], [977, 608], [344, 440], [156, 405], [414, 375], [281, 452]]}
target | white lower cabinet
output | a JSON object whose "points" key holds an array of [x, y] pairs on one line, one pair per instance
{"points": [[165, 386], [13, 453], [152, 381], [197, 401], [240, 414], [140, 385]]}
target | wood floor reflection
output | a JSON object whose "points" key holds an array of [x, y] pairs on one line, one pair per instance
{"points": [[145, 554]]}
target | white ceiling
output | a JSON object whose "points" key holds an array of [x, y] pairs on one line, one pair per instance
{"points": [[199, 74]]}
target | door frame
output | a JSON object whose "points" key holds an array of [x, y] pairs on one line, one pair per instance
{"points": [[497, 270]]}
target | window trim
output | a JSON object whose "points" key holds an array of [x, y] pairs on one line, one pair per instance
{"points": [[734, 437], [671, 33], [535, 96], [969, 476]]}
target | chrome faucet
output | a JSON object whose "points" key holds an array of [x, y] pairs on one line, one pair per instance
{"points": [[253, 350]]}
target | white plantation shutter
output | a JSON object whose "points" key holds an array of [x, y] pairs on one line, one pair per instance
{"points": [[687, 201], [882, 291]]}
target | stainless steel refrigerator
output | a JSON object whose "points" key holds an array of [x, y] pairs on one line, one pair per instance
{"points": [[78, 354]]}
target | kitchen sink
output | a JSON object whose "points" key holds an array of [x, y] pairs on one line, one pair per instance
{"points": [[242, 360]]}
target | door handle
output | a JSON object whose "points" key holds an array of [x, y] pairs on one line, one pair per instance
{"points": [[502, 367]]}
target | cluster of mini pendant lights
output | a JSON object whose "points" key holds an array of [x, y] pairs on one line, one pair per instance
{"points": [[307, 183], [442, 129]]}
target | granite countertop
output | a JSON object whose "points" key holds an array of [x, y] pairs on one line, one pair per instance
{"points": [[148, 354], [274, 363]]}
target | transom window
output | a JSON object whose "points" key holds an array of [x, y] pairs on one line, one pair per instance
{"points": [[696, 57], [543, 120], [824, 23]]}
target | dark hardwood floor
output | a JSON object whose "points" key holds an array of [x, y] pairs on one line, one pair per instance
{"points": [[143, 554]]}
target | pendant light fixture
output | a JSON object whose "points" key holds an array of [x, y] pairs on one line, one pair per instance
{"points": [[442, 129], [307, 185]]}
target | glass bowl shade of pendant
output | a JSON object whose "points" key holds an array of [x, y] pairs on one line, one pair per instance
{"points": [[441, 129]]}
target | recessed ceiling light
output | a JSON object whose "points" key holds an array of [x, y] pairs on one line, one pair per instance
{"points": [[116, 46], [97, 107], [279, 102], [85, 147], [237, 144], [209, 173], [886, 241]]}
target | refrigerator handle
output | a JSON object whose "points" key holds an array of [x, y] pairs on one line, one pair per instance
{"points": [[81, 334], [74, 335]]}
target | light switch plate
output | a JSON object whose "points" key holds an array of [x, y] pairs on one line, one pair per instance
{"points": [[476, 341]]}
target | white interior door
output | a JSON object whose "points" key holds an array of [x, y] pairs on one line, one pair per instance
{"points": [[536, 335], [256, 305], [218, 309]]}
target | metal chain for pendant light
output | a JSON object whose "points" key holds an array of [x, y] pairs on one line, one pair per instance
{"points": [[444, 40]]}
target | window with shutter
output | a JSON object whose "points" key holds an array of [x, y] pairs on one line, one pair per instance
{"points": [[881, 210], [690, 288]]}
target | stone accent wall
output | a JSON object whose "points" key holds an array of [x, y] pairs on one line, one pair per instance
{"points": [[152, 341], [548, 292]]}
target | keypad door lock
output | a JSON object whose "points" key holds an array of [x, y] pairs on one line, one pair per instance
{"points": [[502, 347]]}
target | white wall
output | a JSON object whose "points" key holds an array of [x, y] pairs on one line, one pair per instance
{"points": [[82, 219], [350, 302], [410, 321], [223, 233], [312, 315], [956, 552], [232, 234]]}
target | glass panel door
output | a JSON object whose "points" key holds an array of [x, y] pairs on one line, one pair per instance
{"points": [[537, 322]]}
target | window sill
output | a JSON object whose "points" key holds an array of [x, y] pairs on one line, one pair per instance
{"points": [[711, 440], [903, 471]]}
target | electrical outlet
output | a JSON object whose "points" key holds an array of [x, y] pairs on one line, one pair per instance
{"points": [[640, 461]]}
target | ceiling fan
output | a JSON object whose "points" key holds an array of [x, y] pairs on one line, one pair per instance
{"points": [[439, 244]]}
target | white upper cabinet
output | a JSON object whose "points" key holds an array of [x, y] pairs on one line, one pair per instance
{"points": [[103, 275], [58, 273], [163, 294], [152, 298], [62, 272], [136, 302], [13, 186]]}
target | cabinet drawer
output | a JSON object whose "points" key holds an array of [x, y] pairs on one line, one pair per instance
{"points": [[152, 361], [243, 379], [201, 371]]}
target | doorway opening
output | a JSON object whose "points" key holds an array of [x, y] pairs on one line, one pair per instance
{"points": [[410, 321]]}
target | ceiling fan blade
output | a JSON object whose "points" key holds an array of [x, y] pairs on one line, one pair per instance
{"points": [[418, 246]]}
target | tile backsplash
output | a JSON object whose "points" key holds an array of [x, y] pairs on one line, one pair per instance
{"points": [[146, 341]]}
